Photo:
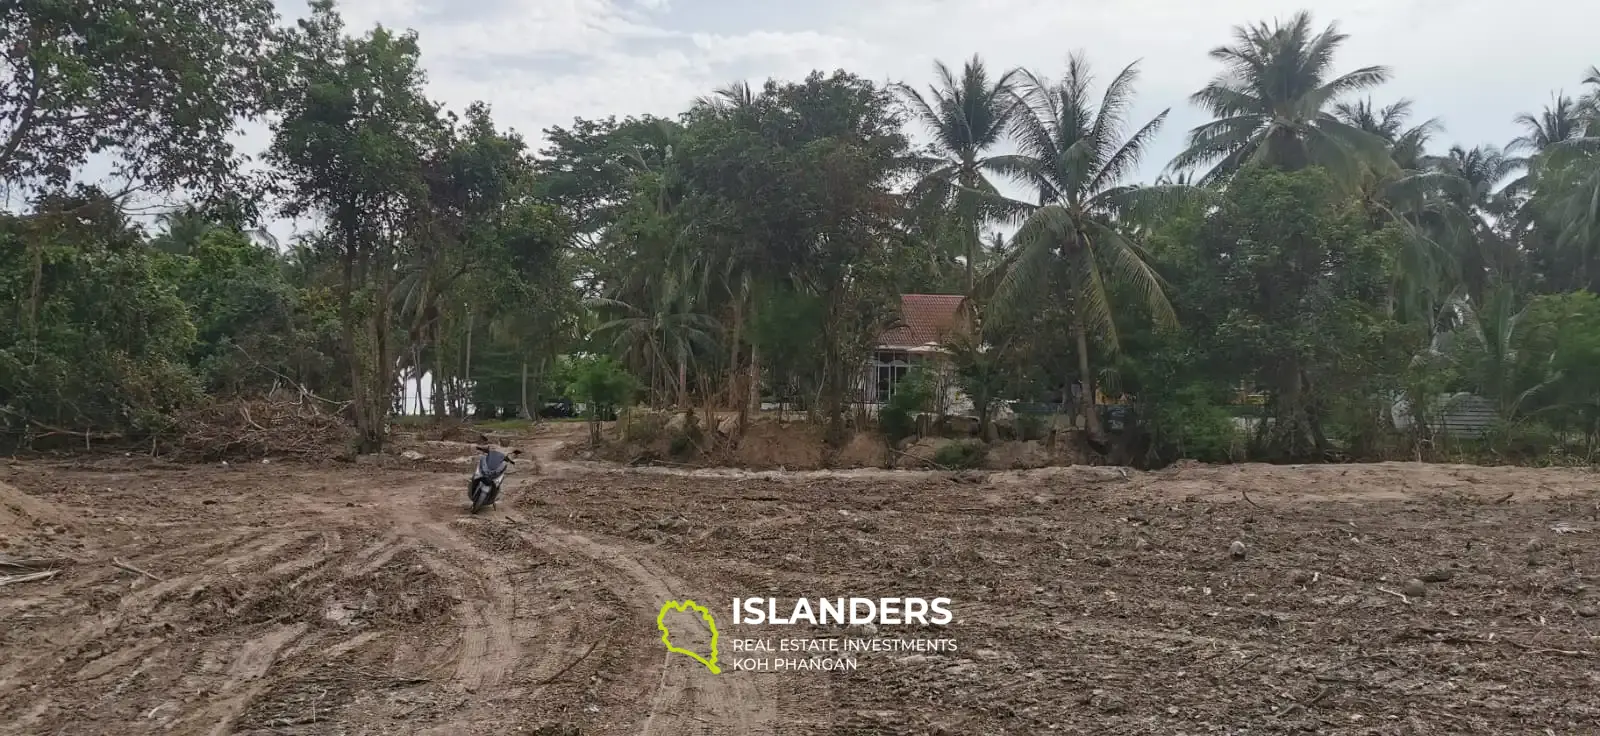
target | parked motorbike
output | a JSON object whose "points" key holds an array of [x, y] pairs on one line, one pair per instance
{"points": [[484, 487]]}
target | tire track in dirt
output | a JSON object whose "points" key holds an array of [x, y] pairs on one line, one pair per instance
{"points": [[489, 648], [375, 555], [97, 649], [138, 603], [686, 699], [498, 640], [541, 593], [246, 677]]}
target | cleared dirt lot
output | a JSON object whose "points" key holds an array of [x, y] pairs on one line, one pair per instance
{"points": [[347, 599]]}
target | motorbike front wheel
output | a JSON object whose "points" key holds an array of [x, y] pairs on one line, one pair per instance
{"points": [[479, 497]]}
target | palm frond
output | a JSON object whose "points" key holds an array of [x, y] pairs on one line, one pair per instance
{"points": [[1130, 266], [1125, 159]]}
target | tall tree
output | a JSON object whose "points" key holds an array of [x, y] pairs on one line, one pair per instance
{"points": [[154, 84], [1484, 245], [355, 130], [1289, 294], [1568, 204], [968, 117], [1589, 104], [1076, 155], [801, 188], [478, 180], [1561, 120], [1273, 105], [1404, 188], [1562, 186], [1407, 145]]}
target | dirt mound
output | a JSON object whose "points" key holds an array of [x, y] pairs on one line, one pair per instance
{"points": [[919, 454], [257, 429], [1024, 455], [32, 527], [768, 445], [865, 450], [649, 438]]}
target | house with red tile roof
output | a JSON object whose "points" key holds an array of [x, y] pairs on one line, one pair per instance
{"points": [[914, 339]]}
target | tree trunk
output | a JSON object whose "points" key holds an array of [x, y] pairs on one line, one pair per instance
{"points": [[347, 322], [35, 298], [969, 225], [755, 381], [1091, 412], [383, 363], [416, 370], [1319, 439], [683, 383], [832, 390], [1291, 436], [709, 395], [466, 373], [733, 354], [524, 413], [437, 384], [538, 388]]}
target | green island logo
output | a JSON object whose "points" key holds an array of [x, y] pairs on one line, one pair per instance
{"points": [[705, 615]]}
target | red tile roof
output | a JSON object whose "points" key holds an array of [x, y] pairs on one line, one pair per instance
{"points": [[925, 318]]}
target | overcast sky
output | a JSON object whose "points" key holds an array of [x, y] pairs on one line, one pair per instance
{"points": [[1472, 63]]}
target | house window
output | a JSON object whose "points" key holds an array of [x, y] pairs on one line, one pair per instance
{"points": [[888, 369]]}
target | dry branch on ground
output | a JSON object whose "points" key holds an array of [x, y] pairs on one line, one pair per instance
{"points": [[258, 428]]}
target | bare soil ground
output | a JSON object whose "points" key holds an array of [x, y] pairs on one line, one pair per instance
{"points": [[362, 599]]}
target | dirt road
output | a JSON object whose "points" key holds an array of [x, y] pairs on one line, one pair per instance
{"points": [[273, 599]]}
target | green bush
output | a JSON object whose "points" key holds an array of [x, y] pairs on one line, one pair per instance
{"points": [[602, 384], [962, 455], [1190, 425], [912, 394]]}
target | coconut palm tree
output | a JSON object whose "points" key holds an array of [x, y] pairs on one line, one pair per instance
{"points": [[967, 117], [740, 267], [182, 230], [737, 96], [1569, 199], [1076, 154], [1475, 214], [1589, 104], [1407, 146], [1272, 105], [664, 333], [1562, 119], [1483, 169], [1406, 190]]}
